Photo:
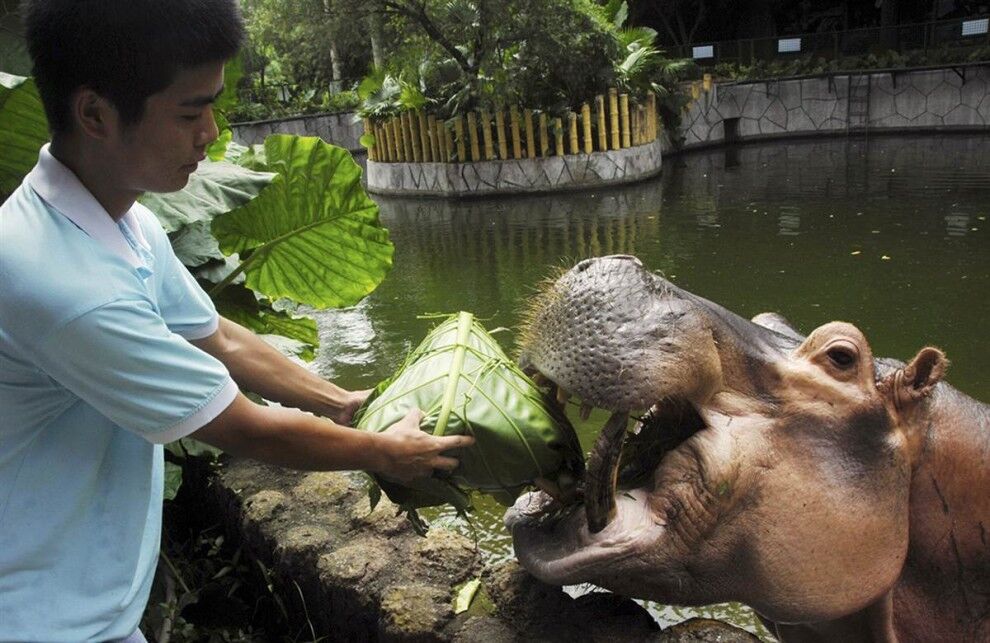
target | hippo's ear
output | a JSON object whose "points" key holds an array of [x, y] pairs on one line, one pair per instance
{"points": [[917, 379]]}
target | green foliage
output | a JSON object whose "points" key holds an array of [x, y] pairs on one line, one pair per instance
{"points": [[814, 65], [548, 56], [313, 235], [266, 104], [23, 130], [214, 188], [466, 385]]}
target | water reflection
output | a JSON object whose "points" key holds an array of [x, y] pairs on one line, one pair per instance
{"points": [[889, 234]]}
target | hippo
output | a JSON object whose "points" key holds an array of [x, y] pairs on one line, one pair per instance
{"points": [[842, 496]]}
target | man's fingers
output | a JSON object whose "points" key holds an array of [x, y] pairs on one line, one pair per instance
{"points": [[445, 463], [454, 441], [414, 415]]}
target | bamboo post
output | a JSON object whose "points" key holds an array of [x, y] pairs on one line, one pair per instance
{"points": [[586, 125], [572, 128], [424, 136], [472, 122], [651, 105], [404, 125], [379, 143], [613, 110], [530, 139], [448, 142], [368, 131], [435, 139], [558, 137], [634, 123], [624, 115], [397, 139], [643, 123], [386, 142], [706, 82], [414, 137], [461, 146], [486, 135], [503, 147], [544, 136], [514, 123]]}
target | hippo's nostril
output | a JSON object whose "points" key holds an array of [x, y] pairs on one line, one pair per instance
{"points": [[584, 265]]}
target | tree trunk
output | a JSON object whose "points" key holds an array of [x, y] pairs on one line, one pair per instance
{"points": [[888, 24], [375, 29], [334, 61]]}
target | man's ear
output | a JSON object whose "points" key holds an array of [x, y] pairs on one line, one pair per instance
{"points": [[93, 114], [916, 380]]}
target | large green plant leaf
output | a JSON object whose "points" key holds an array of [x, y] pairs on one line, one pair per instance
{"points": [[214, 188], [23, 130], [240, 305], [313, 236], [465, 384], [195, 245]]}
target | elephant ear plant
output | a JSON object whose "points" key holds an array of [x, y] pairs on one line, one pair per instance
{"points": [[465, 384]]}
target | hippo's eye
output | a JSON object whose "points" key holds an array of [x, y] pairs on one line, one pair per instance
{"points": [[841, 356]]}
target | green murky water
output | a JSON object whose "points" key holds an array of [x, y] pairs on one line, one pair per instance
{"points": [[891, 234]]}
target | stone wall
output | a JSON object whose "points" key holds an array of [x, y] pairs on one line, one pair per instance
{"points": [[516, 176], [950, 98], [356, 574], [339, 129]]}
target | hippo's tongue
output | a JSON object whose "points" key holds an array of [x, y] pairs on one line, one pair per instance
{"points": [[603, 467]]}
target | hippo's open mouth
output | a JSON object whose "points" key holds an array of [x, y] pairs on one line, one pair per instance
{"points": [[622, 339], [636, 477]]}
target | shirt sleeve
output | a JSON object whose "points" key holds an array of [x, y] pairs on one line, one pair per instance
{"points": [[185, 307], [123, 360]]}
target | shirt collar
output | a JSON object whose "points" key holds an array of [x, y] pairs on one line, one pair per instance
{"points": [[62, 190]]}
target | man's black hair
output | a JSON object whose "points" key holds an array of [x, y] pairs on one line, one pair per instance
{"points": [[124, 50]]}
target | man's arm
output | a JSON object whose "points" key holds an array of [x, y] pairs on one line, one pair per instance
{"points": [[292, 438], [258, 367]]}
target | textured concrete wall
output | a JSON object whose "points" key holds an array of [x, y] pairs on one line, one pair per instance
{"points": [[516, 176], [356, 574], [934, 99], [339, 129]]}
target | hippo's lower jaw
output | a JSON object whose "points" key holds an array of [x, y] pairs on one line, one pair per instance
{"points": [[670, 490]]}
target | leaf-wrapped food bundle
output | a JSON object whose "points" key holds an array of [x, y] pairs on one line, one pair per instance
{"points": [[466, 385]]}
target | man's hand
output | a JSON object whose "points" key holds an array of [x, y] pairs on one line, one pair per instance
{"points": [[411, 453], [352, 402]]}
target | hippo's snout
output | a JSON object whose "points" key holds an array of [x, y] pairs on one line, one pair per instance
{"points": [[613, 333], [623, 339]]}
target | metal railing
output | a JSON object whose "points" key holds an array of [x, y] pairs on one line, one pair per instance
{"points": [[960, 33]]}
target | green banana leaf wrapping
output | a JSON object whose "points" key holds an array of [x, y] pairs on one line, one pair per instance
{"points": [[466, 385]]}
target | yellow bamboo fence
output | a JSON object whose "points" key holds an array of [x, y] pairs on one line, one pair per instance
{"points": [[612, 121]]}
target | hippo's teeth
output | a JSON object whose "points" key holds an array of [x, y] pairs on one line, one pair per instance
{"points": [[539, 378], [562, 397], [603, 467], [585, 411]]}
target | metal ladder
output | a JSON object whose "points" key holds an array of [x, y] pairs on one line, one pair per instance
{"points": [[858, 114]]}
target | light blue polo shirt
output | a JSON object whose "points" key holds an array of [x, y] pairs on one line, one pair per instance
{"points": [[95, 374]]}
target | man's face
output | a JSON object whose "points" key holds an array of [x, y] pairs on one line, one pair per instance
{"points": [[160, 151]]}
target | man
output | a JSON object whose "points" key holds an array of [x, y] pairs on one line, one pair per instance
{"points": [[108, 348]]}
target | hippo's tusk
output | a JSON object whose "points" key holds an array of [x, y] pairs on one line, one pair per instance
{"points": [[585, 411], [603, 468]]}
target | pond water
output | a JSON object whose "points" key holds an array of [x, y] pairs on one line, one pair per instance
{"points": [[889, 233]]}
